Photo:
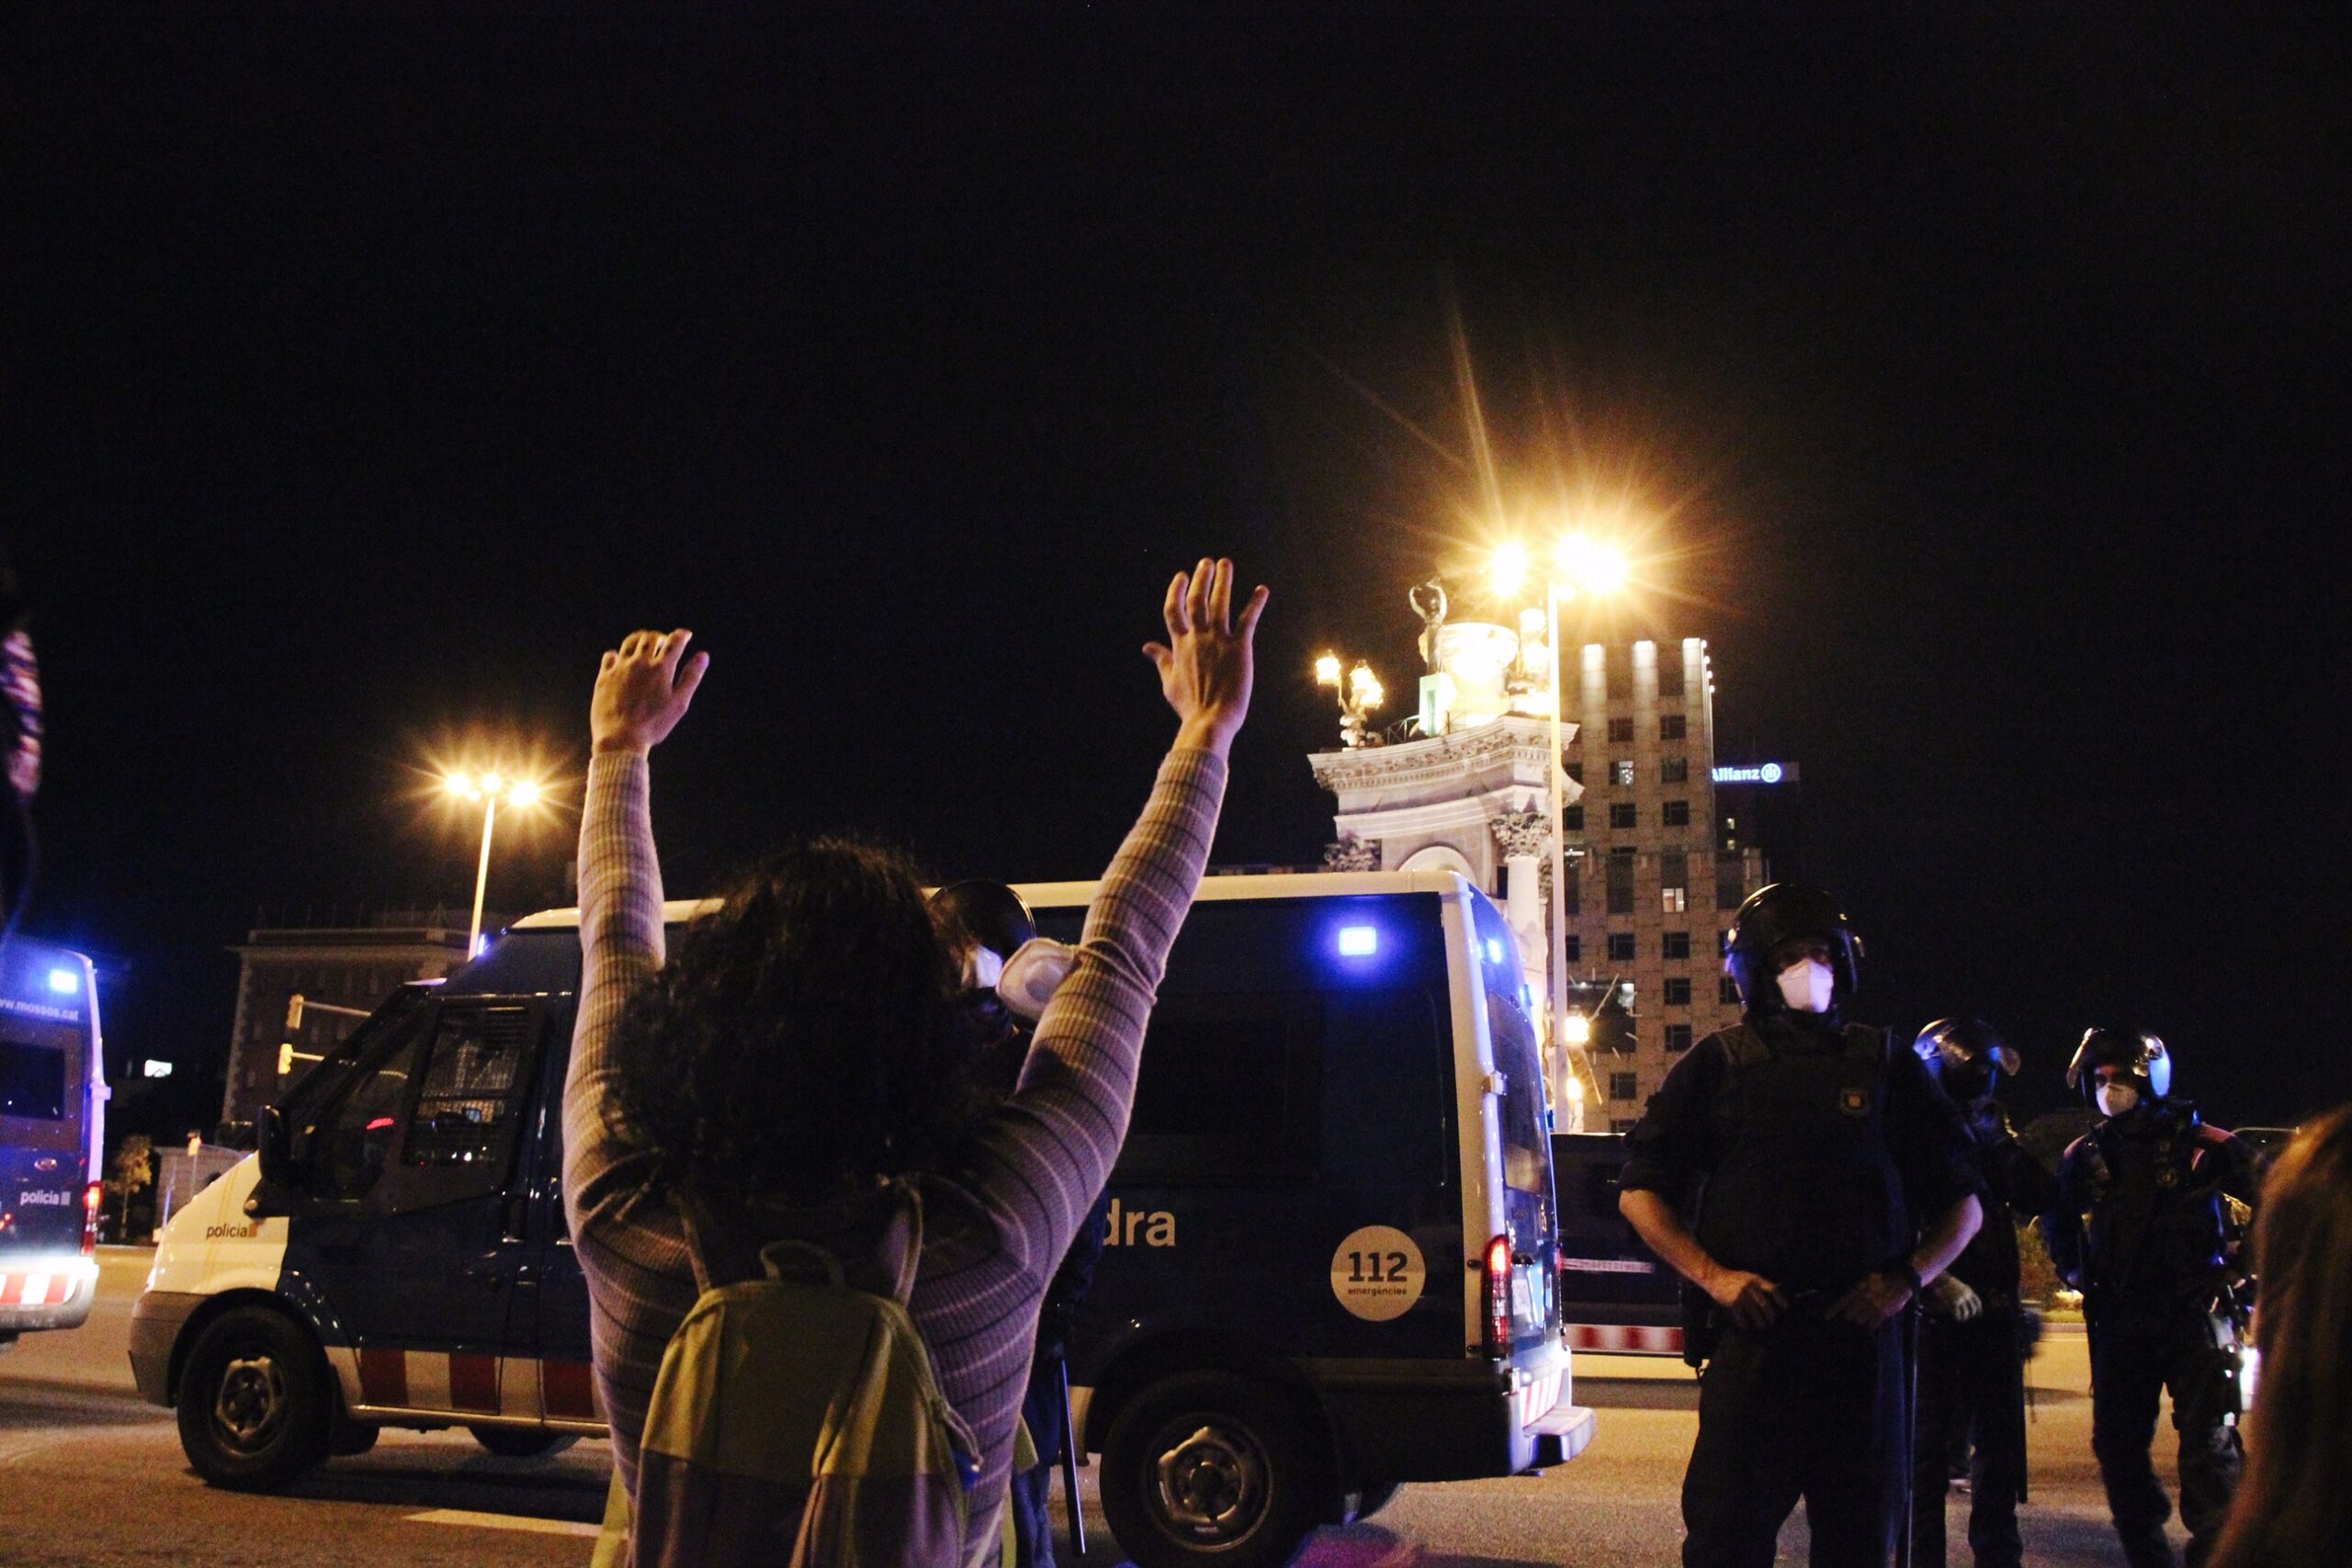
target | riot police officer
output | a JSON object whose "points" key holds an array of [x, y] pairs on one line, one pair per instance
{"points": [[2144, 1228], [989, 928], [1804, 1176], [1973, 1335]]}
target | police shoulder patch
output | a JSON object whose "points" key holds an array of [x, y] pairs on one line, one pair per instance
{"points": [[1854, 1102]]}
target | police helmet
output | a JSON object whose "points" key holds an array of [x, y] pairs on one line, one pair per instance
{"points": [[2138, 1052], [983, 913], [1777, 914], [1967, 1055]]}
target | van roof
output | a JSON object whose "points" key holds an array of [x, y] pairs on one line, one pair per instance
{"points": [[1078, 895]]}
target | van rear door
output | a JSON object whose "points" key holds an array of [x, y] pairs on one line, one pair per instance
{"points": [[1518, 1102]]}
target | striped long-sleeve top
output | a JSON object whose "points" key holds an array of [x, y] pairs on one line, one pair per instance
{"points": [[998, 1219]]}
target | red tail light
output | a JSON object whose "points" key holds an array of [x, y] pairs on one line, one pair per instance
{"points": [[1499, 1297], [91, 1196]]}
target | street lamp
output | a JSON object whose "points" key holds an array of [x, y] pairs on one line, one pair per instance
{"points": [[489, 788], [1360, 693], [1579, 562]]}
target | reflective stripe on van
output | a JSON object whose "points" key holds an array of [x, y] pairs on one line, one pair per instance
{"points": [[461, 1383], [1624, 1339], [53, 1284]]}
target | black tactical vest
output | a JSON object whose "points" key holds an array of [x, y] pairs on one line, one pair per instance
{"points": [[1802, 1186], [2158, 1226]]}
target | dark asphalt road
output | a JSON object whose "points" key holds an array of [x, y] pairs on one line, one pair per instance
{"points": [[92, 1477]]}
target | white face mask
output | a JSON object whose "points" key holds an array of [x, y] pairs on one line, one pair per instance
{"points": [[1808, 985], [2115, 1098], [1032, 975]]}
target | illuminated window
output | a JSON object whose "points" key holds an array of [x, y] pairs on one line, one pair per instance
{"points": [[1624, 814], [1623, 1086], [1621, 947], [1671, 900], [1670, 726], [1620, 730], [1677, 944], [1678, 993], [1675, 814], [1677, 1037]]}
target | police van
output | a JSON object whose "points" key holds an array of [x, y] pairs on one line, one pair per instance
{"points": [[1615, 1293], [52, 1128], [1331, 1267]]}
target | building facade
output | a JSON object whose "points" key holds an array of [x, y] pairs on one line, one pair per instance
{"points": [[343, 966], [1651, 882], [1653, 892]]}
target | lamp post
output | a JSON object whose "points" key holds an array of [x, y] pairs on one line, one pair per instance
{"points": [[1578, 561], [489, 789], [1358, 696]]}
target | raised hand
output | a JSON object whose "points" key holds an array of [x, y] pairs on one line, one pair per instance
{"points": [[643, 691], [1207, 664]]}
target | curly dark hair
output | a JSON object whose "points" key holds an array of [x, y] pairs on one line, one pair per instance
{"points": [[806, 1032]]}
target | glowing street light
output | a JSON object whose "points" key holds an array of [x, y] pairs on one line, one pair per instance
{"points": [[1358, 696], [1580, 563], [490, 789]]}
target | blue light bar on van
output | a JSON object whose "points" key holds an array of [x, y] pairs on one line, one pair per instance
{"points": [[65, 981], [1359, 942], [1494, 950]]}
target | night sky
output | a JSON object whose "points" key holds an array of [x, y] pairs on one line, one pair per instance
{"points": [[1979, 392]]}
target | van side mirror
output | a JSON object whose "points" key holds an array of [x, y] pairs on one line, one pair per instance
{"points": [[274, 1152]]}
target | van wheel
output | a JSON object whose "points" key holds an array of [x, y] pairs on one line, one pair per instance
{"points": [[523, 1442], [255, 1405], [1374, 1496], [1210, 1467]]}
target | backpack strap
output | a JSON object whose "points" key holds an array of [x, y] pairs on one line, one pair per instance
{"points": [[901, 1249]]}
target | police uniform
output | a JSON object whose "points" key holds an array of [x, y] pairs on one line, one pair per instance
{"points": [[2142, 1228], [1971, 1375], [1808, 1151]]}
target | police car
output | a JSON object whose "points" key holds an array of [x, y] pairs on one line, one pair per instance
{"points": [[1331, 1265], [52, 1126]]}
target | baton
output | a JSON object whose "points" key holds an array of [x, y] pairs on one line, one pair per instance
{"points": [[1070, 1467], [1910, 1427]]}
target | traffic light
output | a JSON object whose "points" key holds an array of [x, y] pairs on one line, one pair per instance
{"points": [[285, 1057], [293, 1015]]}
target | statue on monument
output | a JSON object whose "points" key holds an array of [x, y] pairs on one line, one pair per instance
{"points": [[1432, 616]]}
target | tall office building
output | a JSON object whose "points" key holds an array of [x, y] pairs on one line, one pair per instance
{"points": [[1652, 893]]}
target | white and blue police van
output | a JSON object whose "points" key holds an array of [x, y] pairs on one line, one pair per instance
{"points": [[1331, 1266], [52, 1131]]}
